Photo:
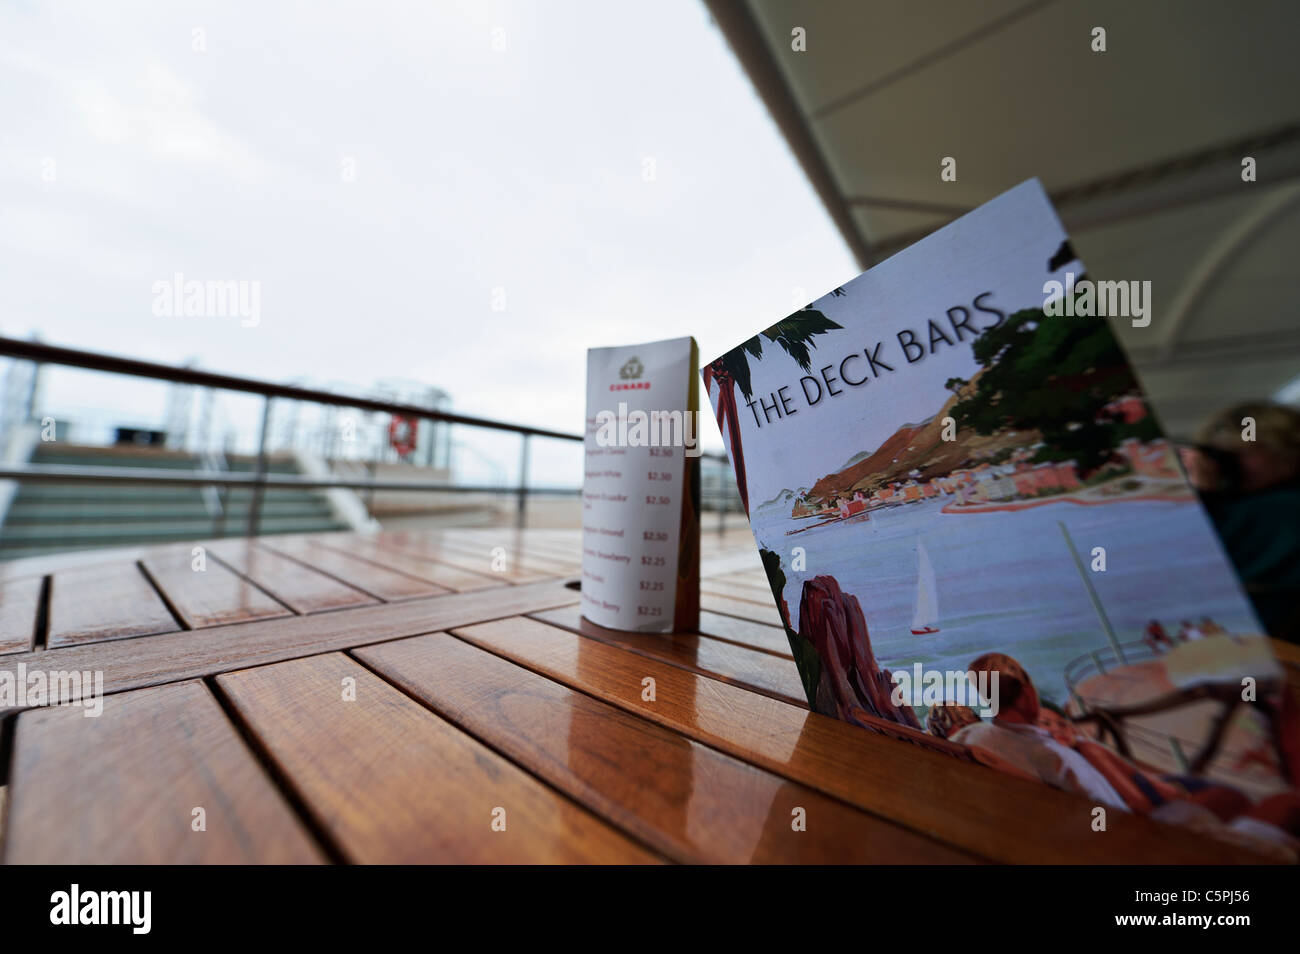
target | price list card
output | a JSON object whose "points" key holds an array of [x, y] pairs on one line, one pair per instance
{"points": [[640, 495]]}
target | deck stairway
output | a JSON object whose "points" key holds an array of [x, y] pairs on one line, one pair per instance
{"points": [[47, 517]]}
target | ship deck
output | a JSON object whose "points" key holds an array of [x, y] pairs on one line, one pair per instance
{"points": [[436, 697]]}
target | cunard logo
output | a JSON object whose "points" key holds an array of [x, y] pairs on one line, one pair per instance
{"points": [[630, 371]]}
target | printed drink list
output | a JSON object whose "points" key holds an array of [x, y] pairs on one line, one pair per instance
{"points": [[640, 498]]}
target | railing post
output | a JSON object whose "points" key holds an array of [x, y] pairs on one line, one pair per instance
{"points": [[1096, 658], [33, 393], [521, 515], [255, 504]]}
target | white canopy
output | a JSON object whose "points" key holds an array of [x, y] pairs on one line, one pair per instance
{"points": [[1140, 146]]}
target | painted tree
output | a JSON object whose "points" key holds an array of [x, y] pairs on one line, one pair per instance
{"points": [[794, 335], [1055, 376]]}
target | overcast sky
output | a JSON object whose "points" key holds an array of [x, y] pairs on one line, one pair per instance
{"points": [[610, 176]]}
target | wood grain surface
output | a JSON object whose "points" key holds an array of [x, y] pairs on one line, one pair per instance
{"points": [[745, 632], [213, 596], [689, 801], [968, 805], [758, 671], [299, 587], [393, 783], [122, 788], [475, 690], [442, 574], [760, 612], [466, 554], [381, 582], [135, 663], [19, 604], [110, 601]]}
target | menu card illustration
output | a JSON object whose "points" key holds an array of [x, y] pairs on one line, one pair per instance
{"points": [[640, 495], [979, 539]]}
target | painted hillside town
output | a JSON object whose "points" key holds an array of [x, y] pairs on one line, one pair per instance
{"points": [[1007, 478]]}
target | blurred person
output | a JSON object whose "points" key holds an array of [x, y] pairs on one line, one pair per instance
{"points": [[1035, 739], [1015, 742], [1156, 637], [1251, 488], [1210, 628]]}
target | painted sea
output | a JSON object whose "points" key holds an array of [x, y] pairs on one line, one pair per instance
{"points": [[1007, 582]]}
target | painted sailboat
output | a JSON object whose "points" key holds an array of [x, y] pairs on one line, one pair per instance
{"points": [[926, 617]]}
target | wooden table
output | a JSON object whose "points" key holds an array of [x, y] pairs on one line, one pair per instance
{"points": [[435, 697]]}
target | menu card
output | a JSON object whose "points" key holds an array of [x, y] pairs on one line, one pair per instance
{"points": [[640, 495], [980, 540]]}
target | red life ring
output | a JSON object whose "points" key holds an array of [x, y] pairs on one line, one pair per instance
{"points": [[401, 434]]}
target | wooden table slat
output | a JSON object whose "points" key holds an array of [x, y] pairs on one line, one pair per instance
{"points": [[748, 633], [393, 783], [108, 601], [213, 596], [470, 556], [20, 602], [749, 668], [984, 811], [122, 788], [724, 586], [299, 587], [532, 549], [759, 612], [717, 560], [442, 574], [135, 663], [687, 800], [381, 582]]}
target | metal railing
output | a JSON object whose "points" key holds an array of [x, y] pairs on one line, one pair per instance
{"points": [[260, 479]]}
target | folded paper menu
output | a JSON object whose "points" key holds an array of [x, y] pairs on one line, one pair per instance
{"points": [[979, 538], [640, 494]]}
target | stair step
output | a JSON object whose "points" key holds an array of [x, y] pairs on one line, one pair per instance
{"points": [[95, 460], [49, 517], [52, 516], [73, 536], [192, 501], [46, 548]]}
